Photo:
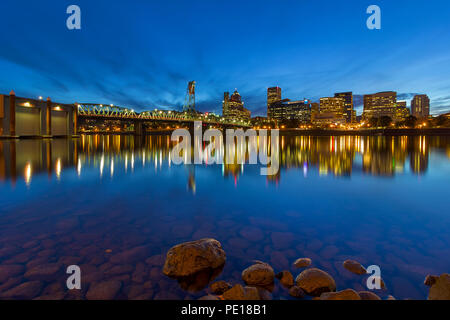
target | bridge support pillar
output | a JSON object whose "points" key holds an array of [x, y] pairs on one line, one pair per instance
{"points": [[48, 118], [12, 113], [75, 119], [138, 128]]}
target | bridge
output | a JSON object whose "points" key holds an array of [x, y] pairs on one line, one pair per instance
{"points": [[98, 113], [28, 117], [112, 112]]}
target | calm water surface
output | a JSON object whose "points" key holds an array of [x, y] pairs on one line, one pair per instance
{"points": [[115, 204]]}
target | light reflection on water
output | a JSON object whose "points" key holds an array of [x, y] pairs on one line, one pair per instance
{"points": [[380, 200]]}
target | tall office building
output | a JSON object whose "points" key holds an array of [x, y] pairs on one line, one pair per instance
{"points": [[380, 104], [233, 107], [273, 96], [333, 105], [420, 106], [350, 114], [291, 110], [402, 112]]}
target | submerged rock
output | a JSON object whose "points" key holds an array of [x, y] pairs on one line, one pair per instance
{"points": [[47, 271], [302, 262], [252, 234], [286, 278], [209, 297], [367, 295], [430, 280], [348, 294], [130, 256], [220, 287], [188, 258], [354, 267], [440, 290], [26, 290], [240, 293], [296, 292], [315, 282], [259, 274], [106, 290], [9, 271]]}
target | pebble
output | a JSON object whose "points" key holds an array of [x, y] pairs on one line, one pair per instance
{"points": [[302, 262]]}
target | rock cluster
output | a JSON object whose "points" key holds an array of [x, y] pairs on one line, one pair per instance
{"points": [[260, 276]]}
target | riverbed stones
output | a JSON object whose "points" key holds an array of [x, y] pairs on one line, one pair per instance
{"points": [[130, 256], [315, 282], [259, 274], [347, 294], [26, 291], [9, 271], [106, 290], [238, 292], [252, 234], [209, 297], [282, 240], [188, 258], [296, 292], [45, 272], [219, 287], [440, 290], [302, 262], [367, 295], [286, 278], [354, 267]]}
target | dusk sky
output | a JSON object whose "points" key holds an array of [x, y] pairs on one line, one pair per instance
{"points": [[141, 54]]}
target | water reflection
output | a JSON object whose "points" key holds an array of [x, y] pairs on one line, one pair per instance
{"points": [[336, 156]]}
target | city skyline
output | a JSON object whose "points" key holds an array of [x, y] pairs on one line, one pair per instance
{"points": [[129, 62]]}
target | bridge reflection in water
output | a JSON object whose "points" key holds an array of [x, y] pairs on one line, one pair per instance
{"points": [[109, 154]]}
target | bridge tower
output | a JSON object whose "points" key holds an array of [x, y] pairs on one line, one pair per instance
{"points": [[189, 104]]}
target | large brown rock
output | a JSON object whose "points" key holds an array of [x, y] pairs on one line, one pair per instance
{"points": [[348, 294], [440, 290], [354, 267], [259, 274], [188, 258], [315, 282]]}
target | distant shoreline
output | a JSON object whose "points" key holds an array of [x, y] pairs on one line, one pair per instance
{"points": [[367, 132], [299, 132]]}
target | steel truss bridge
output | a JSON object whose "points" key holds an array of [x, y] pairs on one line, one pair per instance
{"points": [[111, 112]]}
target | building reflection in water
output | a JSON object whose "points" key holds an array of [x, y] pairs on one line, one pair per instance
{"points": [[338, 156]]}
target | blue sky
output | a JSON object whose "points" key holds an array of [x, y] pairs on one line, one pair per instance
{"points": [[141, 54]]}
